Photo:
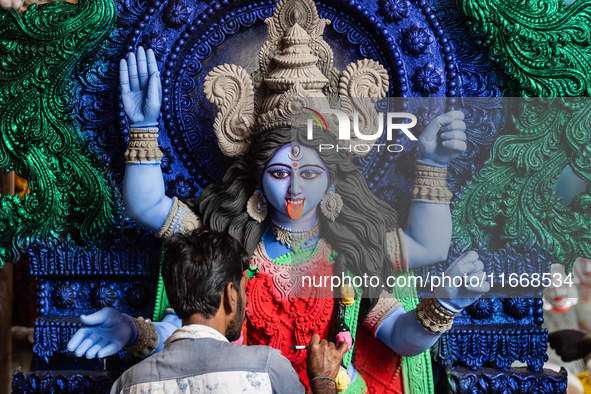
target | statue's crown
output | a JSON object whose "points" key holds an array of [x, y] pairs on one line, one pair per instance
{"points": [[295, 71]]}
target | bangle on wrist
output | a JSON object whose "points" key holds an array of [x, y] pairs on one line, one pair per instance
{"points": [[148, 339], [323, 377], [433, 316], [430, 185], [143, 145]]}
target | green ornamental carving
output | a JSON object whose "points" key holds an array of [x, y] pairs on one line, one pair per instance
{"points": [[542, 46], [543, 49], [38, 137]]}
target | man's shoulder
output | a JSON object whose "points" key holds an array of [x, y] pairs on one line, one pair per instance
{"points": [[193, 357]]}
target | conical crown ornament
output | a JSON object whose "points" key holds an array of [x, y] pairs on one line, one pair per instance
{"points": [[295, 72]]}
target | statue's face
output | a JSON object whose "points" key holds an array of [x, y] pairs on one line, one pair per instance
{"points": [[294, 181], [582, 269]]}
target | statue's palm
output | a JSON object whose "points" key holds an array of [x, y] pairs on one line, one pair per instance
{"points": [[107, 331], [140, 107], [141, 89]]}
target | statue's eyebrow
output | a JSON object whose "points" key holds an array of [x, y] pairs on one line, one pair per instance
{"points": [[278, 164], [313, 165]]}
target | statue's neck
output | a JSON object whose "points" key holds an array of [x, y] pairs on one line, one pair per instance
{"points": [[274, 248]]}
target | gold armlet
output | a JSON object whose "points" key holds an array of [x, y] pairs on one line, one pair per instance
{"points": [[143, 146], [180, 219], [433, 316], [148, 339], [430, 184]]}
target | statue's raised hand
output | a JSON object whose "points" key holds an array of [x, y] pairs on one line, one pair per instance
{"points": [[438, 149], [141, 89], [107, 332], [470, 269]]}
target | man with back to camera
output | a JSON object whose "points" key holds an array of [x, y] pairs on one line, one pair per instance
{"points": [[203, 277]]}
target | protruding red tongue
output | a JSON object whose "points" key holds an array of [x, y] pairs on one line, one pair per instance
{"points": [[295, 211]]}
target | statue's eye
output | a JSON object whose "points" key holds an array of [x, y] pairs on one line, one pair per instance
{"points": [[309, 174], [279, 174]]}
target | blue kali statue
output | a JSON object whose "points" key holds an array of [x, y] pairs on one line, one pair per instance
{"points": [[298, 210]]}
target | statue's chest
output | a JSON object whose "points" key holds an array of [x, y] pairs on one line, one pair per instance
{"points": [[288, 303]]}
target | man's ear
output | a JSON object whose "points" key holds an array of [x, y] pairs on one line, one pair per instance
{"points": [[230, 298]]}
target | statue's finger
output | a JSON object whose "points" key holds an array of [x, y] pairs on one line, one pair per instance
{"points": [[459, 115], [80, 335], [477, 282], [430, 132], [134, 81], [86, 344], [142, 68], [108, 350], [454, 135], [455, 125], [468, 257], [455, 145], [152, 65], [124, 76], [154, 90], [91, 353], [470, 267], [96, 318]]}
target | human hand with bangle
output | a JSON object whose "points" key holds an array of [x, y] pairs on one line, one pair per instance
{"points": [[323, 362]]}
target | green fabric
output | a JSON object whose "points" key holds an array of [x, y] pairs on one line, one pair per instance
{"points": [[352, 320], [416, 371], [357, 387], [301, 256], [161, 303]]}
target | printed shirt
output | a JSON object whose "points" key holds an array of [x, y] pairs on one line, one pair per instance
{"points": [[199, 359]]}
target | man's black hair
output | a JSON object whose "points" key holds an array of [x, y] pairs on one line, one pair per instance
{"points": [[197, 267]]}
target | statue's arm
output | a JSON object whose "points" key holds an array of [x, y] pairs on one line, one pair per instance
{"points": [[411, 333], [399, 330], [146, 203], [426, 239], [143, 195], [143, 185], [402, 332], [107, 331], [429, 228], [428, 233]]}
